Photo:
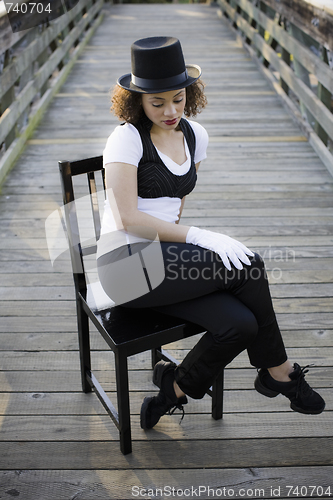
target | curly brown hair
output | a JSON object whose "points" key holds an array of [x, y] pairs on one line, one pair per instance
{"points": [[126, 105]]}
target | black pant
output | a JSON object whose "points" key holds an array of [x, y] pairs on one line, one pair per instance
{"points": [[235, 308]]}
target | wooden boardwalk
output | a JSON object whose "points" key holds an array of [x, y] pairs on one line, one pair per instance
{"points": [[262, 183]]}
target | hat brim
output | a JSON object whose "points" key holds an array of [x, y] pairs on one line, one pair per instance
{"points": [[193, 72]]}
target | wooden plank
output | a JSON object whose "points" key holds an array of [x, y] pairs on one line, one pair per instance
{"points": [[254, 241], [203, 427], [53, 298], [292, 338], [199, 454], [273, 138], [221, 222], [92, 484], [45, 342], [56, 307], [296, 277], [62, 360], [41, 256], [80, 404], [27, 308], [120, 484], [68, 341], [68, 380], [35, 279]]}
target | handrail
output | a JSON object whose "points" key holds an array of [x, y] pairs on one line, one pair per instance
{"points": [[33, 65], [292, 42]]}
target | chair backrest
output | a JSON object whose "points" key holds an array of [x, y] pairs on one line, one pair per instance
{"points": [[82, 241]]}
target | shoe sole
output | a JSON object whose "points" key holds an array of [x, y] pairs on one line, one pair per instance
{"points": [[144, 408], [262, 389], [306, 412]]}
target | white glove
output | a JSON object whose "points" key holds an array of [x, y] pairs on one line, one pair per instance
{"points": [[227, 248]]}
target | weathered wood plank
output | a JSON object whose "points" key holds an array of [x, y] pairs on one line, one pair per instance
{"points": [[70, 380], [68, 341], [202, 427], [49, 360], [76, 404], [39, 324], [280, 222], [34, 279], [199, 454], [92, 484], [49, 304]]}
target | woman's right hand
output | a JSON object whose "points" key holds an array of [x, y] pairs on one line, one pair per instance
{"points": [[227, 248]]}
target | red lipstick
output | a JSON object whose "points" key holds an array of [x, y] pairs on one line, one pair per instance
{"points": [[171, 122]]}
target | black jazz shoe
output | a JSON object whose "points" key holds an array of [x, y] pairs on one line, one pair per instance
{"points": [[302, 398], [166, 402]]}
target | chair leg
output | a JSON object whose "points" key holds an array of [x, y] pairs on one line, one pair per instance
{"points": [[123, 403], [84, 345], [217, 397], [155, 356]]}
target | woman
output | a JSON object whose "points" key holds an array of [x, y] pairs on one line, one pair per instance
{"points": [[151, 163]]}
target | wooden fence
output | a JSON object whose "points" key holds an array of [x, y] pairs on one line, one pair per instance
{"points": [[293, 43], [34, 64]]}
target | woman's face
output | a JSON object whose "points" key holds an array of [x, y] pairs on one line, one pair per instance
{"points": [[165, 109]]}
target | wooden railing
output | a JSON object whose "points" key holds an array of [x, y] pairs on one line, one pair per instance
{"points": [[34, 64], [292, 41]]}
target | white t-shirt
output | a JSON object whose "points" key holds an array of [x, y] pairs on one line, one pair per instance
{"points": [[125, 146]]}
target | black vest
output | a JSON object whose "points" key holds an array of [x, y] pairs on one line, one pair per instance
{"points": [[154, 178]]}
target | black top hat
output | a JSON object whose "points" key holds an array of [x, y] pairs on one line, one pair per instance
{"points": [[158, 66]]}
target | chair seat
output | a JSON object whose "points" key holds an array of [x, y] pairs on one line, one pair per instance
{"points": [[125, 325]]}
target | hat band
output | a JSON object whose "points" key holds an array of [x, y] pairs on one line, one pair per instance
{"points": [[159, 82]]}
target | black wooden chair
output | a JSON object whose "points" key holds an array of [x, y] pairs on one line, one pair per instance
{"points": [[126, 333]]}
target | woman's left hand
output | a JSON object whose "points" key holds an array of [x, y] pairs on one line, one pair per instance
{"points": [[227, 248]]}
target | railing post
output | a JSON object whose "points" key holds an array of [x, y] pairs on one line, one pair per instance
{"points": [[7, 100], [300, 71], [326, 97], [285, 56]]}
